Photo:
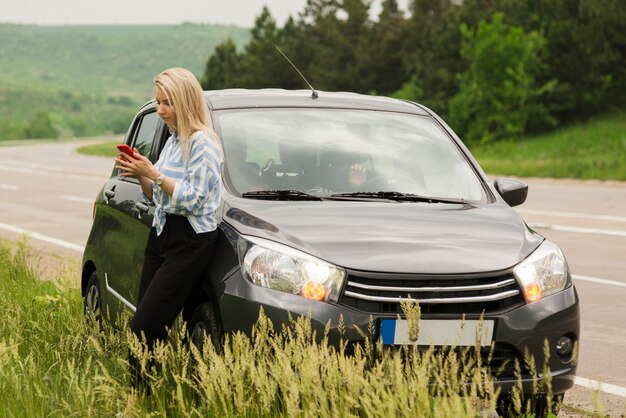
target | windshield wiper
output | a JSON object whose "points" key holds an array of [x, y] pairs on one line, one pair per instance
{"points": [[281, 194], [400, 197]]}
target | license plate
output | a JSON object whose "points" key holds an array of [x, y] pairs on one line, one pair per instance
{"points": [[438, 332]]}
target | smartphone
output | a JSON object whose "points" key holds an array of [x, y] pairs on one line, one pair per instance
{"points": [[126, 149]]}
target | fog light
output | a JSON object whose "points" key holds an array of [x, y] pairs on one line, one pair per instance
{"points": [[564, 346]]}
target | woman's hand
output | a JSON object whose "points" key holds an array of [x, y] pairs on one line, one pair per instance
{"points": [[136, 165]]}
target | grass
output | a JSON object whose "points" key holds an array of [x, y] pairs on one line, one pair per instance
{"points": [[56, 362], [104, 149], [591, 150]]}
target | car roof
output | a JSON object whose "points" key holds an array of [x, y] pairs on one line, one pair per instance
{"points": [[279, 98]]}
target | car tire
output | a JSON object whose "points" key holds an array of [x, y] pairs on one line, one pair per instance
{"points": [[204, 324], [93, 298], [538, 406]]}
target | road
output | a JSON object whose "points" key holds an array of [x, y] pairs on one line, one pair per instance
{"points": [[48, 189]]}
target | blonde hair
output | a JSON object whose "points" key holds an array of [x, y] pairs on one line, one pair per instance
{"points": [[184, 93]]}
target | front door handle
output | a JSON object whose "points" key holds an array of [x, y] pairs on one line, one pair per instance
{"points": [[109, 194], [141, 209]]}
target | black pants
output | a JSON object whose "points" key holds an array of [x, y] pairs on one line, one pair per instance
{"points": [[175, 262]]}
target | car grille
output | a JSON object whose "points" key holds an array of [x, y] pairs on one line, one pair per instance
{"points": [[502, 362], [436, 294]]}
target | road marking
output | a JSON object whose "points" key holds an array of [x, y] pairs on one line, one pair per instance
{"points": [[602, 387], [598, 280], [37, 166], [48, 173], [594, 231], [45, 238], [76, 198], [573, 215], [581, 381], [9, 187]]}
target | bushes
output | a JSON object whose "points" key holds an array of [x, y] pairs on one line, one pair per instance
{"points": [[499, 94]]}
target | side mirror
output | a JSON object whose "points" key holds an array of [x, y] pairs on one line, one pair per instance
{"points": [[514, 192]]}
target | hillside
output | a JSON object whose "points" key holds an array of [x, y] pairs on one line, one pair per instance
{"points": [[87, 80], [593, 149]]}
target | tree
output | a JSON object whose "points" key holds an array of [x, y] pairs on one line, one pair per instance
{"points": [[354, 51], [499, 92], [324, 44], [387, 49], [259, 65], [433, 58], [222, 69], [586, 44], [40, 126]]}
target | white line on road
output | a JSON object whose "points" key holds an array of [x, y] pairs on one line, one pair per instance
{"points": [[41, 172], [45, 238], [602, 387], [77, 198], [598, 280], [37, 166], [594, 231], [9, 187], [573, 215]]}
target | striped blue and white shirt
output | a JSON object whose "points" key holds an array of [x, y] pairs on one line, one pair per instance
{"points": [[198, 184]]}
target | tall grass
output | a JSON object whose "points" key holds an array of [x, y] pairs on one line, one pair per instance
{"points": [[55, 362]]}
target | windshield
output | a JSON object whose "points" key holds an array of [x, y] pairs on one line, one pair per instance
{"points": [[330, 151]]}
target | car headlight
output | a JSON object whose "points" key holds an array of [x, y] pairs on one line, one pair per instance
{"points": [[276, 266], [543, 273]]}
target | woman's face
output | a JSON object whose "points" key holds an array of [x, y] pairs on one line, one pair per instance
{"points": [[165, 109]]}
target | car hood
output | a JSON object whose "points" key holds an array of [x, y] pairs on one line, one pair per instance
{"points": [[389, 236]]}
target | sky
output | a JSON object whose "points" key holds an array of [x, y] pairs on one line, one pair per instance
{"points": [[88, 12]]}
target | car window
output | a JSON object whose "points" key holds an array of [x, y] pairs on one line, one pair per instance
{"points": [[144, 136], [327, 151]]}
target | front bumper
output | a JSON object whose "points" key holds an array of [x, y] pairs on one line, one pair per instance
{"points": [[518, 334]]}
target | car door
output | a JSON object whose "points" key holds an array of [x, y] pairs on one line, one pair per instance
{"points": [[127, 218]]}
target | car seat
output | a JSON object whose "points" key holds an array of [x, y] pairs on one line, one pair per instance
{"points": [[296, 166], [244, 175]]}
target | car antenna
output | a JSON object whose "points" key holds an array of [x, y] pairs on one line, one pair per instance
{"points": [[313, 92]]}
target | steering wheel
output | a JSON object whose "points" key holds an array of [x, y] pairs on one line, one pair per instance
{"points": [[317, 190], [374, 184]]}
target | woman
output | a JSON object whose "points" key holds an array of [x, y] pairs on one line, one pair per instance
{"points": [[185, 186]]}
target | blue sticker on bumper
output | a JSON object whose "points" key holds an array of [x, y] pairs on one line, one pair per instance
{"points": [[388, 331]]}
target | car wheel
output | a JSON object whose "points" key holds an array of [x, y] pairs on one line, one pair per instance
{"points": [[538, 406], [203, 325], [93, 299]]}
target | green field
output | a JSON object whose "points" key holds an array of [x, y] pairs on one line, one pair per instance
{"points": [[89, 80], [595, 149]]}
